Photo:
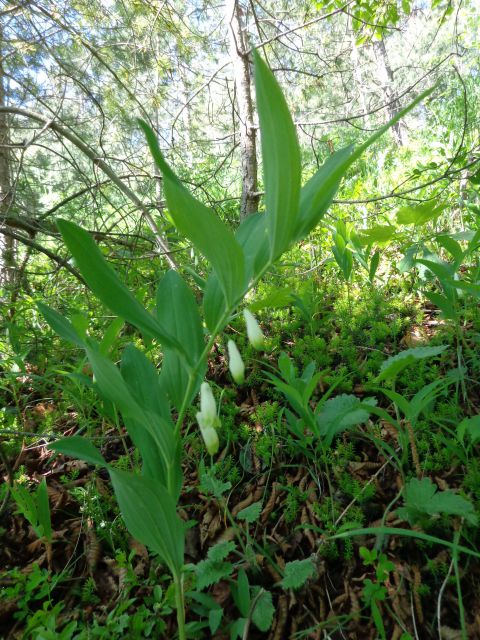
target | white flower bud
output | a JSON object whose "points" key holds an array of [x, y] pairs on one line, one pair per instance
{"points": [[235, 363], [209, 434], [208, 408], [254, 333], [211, 440]]}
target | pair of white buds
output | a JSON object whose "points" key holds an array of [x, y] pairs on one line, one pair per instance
{"points": [[207, 417], [257, 340]]}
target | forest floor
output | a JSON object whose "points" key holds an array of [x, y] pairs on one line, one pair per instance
{"points": [[94, 581]]}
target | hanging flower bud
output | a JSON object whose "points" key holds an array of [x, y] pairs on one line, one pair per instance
{"points": [[235, 363], [254, 333], [208, 408], [209, 436]]}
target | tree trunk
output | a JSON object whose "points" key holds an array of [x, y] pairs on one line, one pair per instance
{"points": [[7, 243], [385, 77], [242, 75]]}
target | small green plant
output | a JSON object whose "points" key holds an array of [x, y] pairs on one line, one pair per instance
{"points": [[375, 592], [35, 508], [330, 417]]}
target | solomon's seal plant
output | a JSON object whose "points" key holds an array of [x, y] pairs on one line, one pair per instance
{"points": [[148, 399]]}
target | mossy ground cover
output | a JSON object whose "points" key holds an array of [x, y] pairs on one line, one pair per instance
{"points": [[265, 497]]}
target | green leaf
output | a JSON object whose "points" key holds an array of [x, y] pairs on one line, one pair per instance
{"points": [[202, 226], [373, 591], [27, 506], [106, 285], [263, 612], [214, 304], [443, 270], [340, 413], [277, 299], [214, 619], [368, 557], [78, 447], [395, 364], [465, 287], [214, 568], [443, 303], [318, 192], [43, 510], [252, 235], [143, 381], [110, 382], [379, 234], [212, 486], [221, 550], [251, 513], [60, 325], [453, 504], [241, 593], [423, 498], [452, 246], [237, 628], [80, 324], [110, 335], [138, 419], [296, 573], [471, 426], [149, 512], [419, 215], [281, 159], [177, 311], [374, 262]]}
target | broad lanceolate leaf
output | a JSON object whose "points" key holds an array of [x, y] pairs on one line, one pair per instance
{"points": [[107, 286], [281, 159], [393, 365], [60, 325], [252, 235], [318, 193], [214, 304], [110, 382], [202, 226], [177, 311], [340, 413], [241, 593], [78, 447], [138, 420], [149, 512], [143, 382]]}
